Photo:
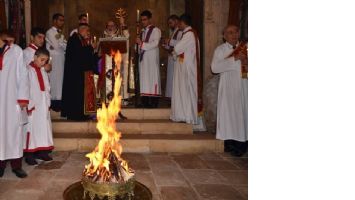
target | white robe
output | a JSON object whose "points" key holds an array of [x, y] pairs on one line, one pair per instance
{"points": [[28, 54], [56, 48], [73, 31], [184, 97], [171, 63], [149, 71], [232, 106], [13, 88], [39, 135]]}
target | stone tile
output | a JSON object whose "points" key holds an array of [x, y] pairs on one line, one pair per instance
{"points": [[169, 177], [184, 146], [210, 156], [241, 163], [221, 165], [239, 177], [66, 144], [70, 173], [50, 165], [6, 185], [136, 161], [147, 179], [161, 162], [36, 180], [60, 155], [190, 162], [243, 190], [218, 192], [203, 176], [22, 194], [55, 190], [177, 193]]}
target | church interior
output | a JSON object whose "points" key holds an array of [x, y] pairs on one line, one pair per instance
{"points": [[171, 160]]}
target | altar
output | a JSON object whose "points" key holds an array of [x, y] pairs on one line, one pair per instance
{"points": [[104, 82]]}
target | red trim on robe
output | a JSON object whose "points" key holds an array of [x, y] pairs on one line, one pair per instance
{"points": [[147, 94], [23, 101], [2, 56], [199, 76], [29, 111], [39, 149], [33, 46], [39, 75], [27, 140]]}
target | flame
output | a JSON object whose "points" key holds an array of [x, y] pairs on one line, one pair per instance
{"points": [[107, 154]]}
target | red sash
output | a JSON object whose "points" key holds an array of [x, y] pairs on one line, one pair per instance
{"points": [[32, 46], [2, 55], [146, 39], [199, 77], [39, 75]]}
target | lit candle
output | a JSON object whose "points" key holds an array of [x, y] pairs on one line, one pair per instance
{"points": [[137, 15], [94, 39], [87, 17]]}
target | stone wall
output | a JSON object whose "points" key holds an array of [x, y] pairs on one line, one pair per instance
{"points": [[215, 19]]}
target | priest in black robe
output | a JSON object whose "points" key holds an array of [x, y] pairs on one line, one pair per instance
{"points": [[80, 64]]}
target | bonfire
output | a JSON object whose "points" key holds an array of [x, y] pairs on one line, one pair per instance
{"points": [[108, 174]]}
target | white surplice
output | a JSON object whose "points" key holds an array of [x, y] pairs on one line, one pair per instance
{"points": [[13, 89], [171, 62], [29, 53], [39, 135], [184, 95], [149, 71], [232, 106], [56, 45]]}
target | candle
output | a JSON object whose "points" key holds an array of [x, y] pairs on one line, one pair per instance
{"points": [[94, 39], [87, 17], [137, 15]]}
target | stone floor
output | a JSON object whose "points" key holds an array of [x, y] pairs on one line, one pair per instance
{"points": [[169, 176]]}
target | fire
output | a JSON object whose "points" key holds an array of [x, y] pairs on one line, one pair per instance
{"points": [[106, 164]]}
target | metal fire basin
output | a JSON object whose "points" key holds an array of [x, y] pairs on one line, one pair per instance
{"points": [[76, 192]]}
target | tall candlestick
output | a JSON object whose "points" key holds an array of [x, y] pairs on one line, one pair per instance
{"points": [[87, 17], [137, 15]]}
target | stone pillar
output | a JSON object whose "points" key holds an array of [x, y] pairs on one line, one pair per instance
{"points": [[27, 20], [215, 19]]}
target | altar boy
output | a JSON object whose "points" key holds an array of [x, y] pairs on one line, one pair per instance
{"points": [[39, 141]]}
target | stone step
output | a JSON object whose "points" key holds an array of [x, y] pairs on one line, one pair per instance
{"points": [[147, 126], [139, 143], [136, 113]]}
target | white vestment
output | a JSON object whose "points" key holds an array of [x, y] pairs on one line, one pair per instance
{"points": [[73, 31], [149, 71], [184, 96], [29, 53], [13, 89], [232, 107], [56, 45], [39, 135], [171, 62]]}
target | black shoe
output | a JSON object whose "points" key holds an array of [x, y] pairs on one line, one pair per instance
{"points": [[237, 153], [2, 170], [44, 157], [31, 160], [19, 173]]}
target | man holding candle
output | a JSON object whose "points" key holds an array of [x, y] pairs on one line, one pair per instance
{"points": [[80, 63], [149, 72], [232, 106]]}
